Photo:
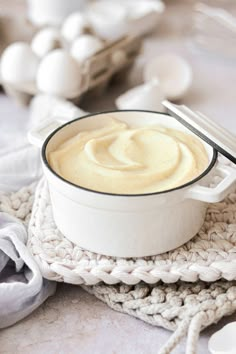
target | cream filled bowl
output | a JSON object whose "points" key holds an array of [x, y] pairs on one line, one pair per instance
{"points": [[130, 183]]}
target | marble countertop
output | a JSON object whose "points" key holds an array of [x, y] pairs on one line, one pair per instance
{"points": [[73, 321]]}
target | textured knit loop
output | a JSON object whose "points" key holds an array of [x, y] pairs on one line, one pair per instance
{"points": [[185, 304], [209, 256], [201, 305], [175, 339], [194, 331]]}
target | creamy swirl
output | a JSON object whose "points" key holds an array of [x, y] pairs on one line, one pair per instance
{"points": [[125, 160]]}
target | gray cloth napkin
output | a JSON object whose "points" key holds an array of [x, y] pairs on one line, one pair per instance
{"points": [[22, 288]]}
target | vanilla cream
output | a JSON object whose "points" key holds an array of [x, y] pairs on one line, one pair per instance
{"points": [[126, 160]]}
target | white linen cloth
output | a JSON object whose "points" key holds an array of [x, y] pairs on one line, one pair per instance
{"points": [[22, 288], [19, 160]]}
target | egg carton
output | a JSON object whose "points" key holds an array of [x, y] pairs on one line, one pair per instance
{"points": [[96, 72]]}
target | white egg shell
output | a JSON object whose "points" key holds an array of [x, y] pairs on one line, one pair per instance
{"points": [[45, 41], [85, 46], [148, 96], [223, 341], [173, 72], [59, 75], [109, 19], [19, 64], [73, 26]]}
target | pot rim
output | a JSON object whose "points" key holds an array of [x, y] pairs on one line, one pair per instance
{"points": [[45, 161]]}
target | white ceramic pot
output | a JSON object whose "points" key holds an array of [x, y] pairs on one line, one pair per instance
{"points": [[131, 225], [52, 12]]}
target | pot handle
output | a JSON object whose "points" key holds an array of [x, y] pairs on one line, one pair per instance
{"points": [[217, 193], [38, 135], [59, 112]]}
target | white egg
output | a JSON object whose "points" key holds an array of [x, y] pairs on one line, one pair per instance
{"points": [[73, 26], [85, 46], [45, 41], [19, 64], [59, 75], [173, 72], [147, 96]]}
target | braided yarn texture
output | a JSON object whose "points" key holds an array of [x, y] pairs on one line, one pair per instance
{"points": [[209, 256], [168, 305], [183, 307], [19, 204]]}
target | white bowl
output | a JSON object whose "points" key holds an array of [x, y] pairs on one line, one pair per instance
{"points": [[108, 19], [52, 12], [224, 340], [130, 225], [111, 20]]}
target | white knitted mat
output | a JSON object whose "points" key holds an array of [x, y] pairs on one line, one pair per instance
{"points": [[209, 256], [185, 308]]}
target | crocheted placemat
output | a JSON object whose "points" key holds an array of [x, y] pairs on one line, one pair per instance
{"points": [[185, 308], [209, 256]]}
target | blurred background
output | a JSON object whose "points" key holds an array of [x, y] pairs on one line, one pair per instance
{"points": [[204, 37], [203, 33]]}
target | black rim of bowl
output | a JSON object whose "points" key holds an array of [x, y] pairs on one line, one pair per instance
{"points": [[44, 158]]}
